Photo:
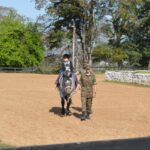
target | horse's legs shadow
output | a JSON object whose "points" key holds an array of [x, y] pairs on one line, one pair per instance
{"points": [[78, 109], [77, 115], [56, 111]]}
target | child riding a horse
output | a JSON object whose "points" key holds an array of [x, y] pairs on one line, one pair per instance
{"points": [[66, 65], [66, 83]]}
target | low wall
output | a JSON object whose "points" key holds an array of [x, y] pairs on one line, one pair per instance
{"points": [[128, 77]]}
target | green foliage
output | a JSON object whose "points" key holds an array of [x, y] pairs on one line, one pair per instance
{"points": [[142, 71], [110, 54], [134, 55], [118, 56], [4, 146], [103, 52], [20, 43], [129, 29], [64, 15], [138, 32], [55, 38]]}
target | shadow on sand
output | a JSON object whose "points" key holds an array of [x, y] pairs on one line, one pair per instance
{"points": [[56, 111], [77, 109], [78, 113]]}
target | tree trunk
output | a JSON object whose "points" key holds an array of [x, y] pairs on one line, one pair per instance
{"points": [[74, 44], [90, 58], [149, 64], [88, 30], [118, 37]]}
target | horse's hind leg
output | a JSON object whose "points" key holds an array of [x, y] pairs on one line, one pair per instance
{"points": [[63, 106], [69, 101]]}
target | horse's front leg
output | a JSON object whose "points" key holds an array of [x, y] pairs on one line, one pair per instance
{"points": [[62, 106], [69, 100]]}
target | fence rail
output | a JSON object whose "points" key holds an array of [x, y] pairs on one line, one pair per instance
{"points": [[17, 69], [54, 69], [99, 69]]}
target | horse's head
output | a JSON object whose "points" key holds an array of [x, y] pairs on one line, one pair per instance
{"points": [[67, 82], [67, 74]]}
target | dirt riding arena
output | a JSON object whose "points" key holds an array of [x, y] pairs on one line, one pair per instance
{"points": [[30, 112]]}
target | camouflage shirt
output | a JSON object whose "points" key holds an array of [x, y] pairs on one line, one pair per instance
{"points": [[87, 82]]}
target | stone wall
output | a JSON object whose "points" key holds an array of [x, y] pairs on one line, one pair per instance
{"points": [[128, 77]]}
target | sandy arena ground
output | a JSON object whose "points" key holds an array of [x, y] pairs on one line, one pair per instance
{"points": [[30, 112]]}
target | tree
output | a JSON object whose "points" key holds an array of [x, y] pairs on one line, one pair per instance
{"points": [[63, 14], [20, 42], [133, 52], [4, 11], [138, 30], [119, 55], [110, 54], [141, 36], [103, 52], [130, 28], [129, 24]]}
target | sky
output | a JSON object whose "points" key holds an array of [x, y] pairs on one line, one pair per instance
{"points": [[23, 7]]}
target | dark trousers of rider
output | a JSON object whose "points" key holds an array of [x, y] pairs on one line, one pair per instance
{"points": [[86, 105]]}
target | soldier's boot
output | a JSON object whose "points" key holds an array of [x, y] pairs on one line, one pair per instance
{"points": [[83, 117], [88, 115]]}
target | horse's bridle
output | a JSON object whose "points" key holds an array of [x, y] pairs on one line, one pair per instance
{"points": [[67, 82]]}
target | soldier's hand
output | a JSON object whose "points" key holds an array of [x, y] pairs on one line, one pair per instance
{"points": [[78, 87]]}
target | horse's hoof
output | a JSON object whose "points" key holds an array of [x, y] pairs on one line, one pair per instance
{"points": [[63, 112], [68, 113], [83, 118]]}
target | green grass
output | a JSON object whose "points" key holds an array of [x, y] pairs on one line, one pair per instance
{"points": [[142, 71], [3, 146]]}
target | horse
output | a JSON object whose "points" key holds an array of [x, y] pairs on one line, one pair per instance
{"points": [[67, 85]]}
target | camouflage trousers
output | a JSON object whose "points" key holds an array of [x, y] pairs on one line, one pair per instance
{"points": [[86, 104]]}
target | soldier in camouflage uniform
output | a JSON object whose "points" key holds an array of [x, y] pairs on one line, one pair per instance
{"points": [[88, 91]]}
